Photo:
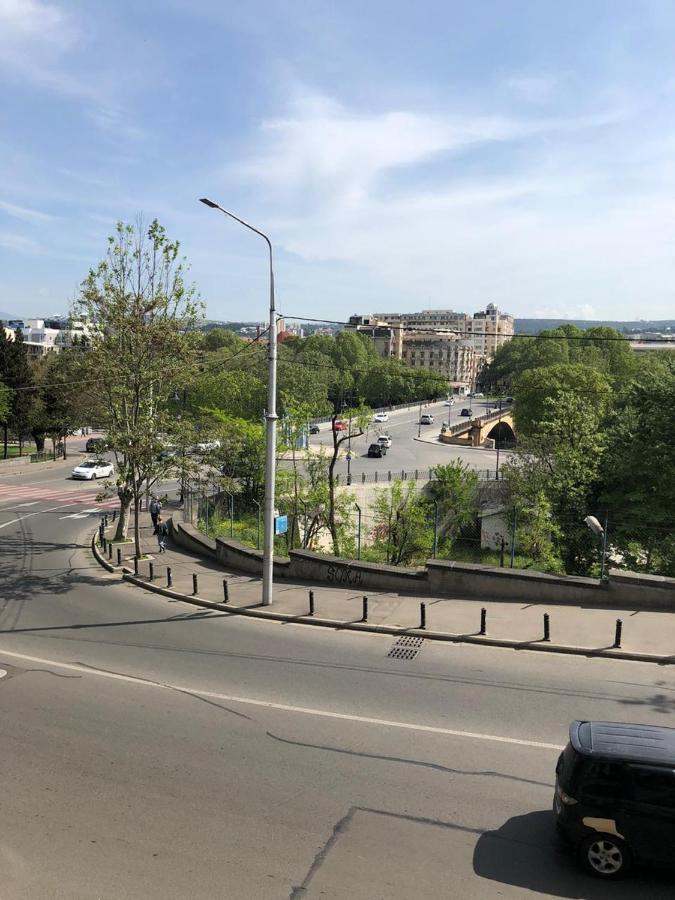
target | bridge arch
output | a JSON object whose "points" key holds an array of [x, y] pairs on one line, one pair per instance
{"points": [[503, 435]]}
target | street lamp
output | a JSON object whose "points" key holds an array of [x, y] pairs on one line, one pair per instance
{"points": [[271, 419], [594, 525]]}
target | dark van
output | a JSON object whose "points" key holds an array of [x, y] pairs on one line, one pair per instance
{"points": [[615, 795]]}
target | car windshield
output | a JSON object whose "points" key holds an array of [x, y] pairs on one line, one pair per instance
{"points": [[87, 465]]}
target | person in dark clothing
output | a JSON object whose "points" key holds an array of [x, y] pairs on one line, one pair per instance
{"points": [[155, 510], [162, 532]]}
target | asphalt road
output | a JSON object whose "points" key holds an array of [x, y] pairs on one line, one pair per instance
{"points": [[154, 750], [407, 453]]}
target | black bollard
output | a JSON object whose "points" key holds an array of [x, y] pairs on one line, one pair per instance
{"points": [[311, 603], [103, 542], [364, 617], [226, 591], [151, 571], [617, 633], [423, 615], [109, 549], [119, 557], [483, 621], [169, 582], [501, 554], [135, 565], [105, 520], [547, 628], [195, 585], [114, 514]]}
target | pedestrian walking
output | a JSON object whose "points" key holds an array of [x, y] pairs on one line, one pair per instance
{"points": [[162, 532], [155, 510]]}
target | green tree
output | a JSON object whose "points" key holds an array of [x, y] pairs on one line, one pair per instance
{"points": [[402, 529], [357, 421], [638, 471], [142, 345], [454, 489], [537, 391]]}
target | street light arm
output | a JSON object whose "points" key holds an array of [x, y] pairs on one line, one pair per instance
{"points": [[213, 205]]}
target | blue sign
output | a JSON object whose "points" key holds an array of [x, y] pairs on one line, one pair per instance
{"points": [[280, 524]]}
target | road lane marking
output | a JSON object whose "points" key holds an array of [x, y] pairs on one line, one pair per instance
{"points": [[22, 505], [284, 707], [3, 672], [74, 516], [19, 519]]}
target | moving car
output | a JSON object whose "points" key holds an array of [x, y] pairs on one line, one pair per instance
{"points": [[381, 417], [426, 419], [615, 795], [478, 395], [314, 428], [384, 441], [377, 450], [340, 426], [94, 444], [91, 469], [466, 412], [450, 401]]}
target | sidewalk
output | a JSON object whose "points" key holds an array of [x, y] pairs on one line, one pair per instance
{"points": [[583, 628]]}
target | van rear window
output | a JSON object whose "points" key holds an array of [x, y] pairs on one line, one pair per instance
{"points": [[569, 761]]}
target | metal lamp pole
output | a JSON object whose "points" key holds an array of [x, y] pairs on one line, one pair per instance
{"points": [[271, 419], [497, 441]]}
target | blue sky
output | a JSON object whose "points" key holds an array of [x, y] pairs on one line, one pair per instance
{"points": [[401, 155]]}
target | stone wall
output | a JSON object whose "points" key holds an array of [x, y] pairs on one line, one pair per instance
{"points": [[443, 578]]}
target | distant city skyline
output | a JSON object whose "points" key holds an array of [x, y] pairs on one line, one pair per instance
{"points": [[400, 156]]}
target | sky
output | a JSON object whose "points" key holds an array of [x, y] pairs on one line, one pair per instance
{"points": [[400, 155]]}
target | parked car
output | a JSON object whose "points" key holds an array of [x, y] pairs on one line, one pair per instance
{"points": [[91, 469], [377, 450], [614, 795], [478, 395], [384, 441], [207, 446], [314, 428], [340, 426], [94, 444], [466, 412], [167, 453], [509, 400], [381, 417], [426, 419]]}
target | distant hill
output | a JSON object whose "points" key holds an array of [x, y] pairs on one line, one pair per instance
{"points": [[5, 316], [532, 326]]}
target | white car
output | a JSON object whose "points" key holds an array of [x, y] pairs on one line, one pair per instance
{"points": [[450, 402], [426, 419], [91, 469], [380, 417], [207, 446], [384, 441]]}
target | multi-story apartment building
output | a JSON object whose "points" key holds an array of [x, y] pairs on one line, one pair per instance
{"points": [[437, 319], [444, 354], [386, 336], [491, 329]]}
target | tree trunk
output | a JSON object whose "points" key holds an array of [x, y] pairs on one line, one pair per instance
{"points": [[39, 438], [137, 524], [123, 520]]}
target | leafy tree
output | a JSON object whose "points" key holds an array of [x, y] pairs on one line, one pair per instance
{"points": [[638, 471], [357, 421], [402, 523], [142, 346], [537, 391], [5, 403], [454, 489]]}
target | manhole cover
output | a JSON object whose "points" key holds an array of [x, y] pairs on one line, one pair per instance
{"points": [[406, 647]]}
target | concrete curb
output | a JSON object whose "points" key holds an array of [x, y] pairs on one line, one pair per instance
{"points": [[393, 630], [99, 557]]}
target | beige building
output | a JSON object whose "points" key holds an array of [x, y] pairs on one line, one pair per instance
{"points": [[444, 354], [387, 337], [491, 329]]}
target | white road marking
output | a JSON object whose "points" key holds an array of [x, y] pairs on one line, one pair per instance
{"points": [[19, 519], [74, 516], [22, 505], [3, 672], [283, 707], [95, 509]]}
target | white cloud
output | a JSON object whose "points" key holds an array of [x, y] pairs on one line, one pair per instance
{"points": [[25, 214], [17, 242], [533, 88]]}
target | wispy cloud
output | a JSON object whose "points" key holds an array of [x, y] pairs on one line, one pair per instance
{"points": [[25, 214]]}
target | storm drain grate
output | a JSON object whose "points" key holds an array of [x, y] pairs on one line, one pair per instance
{"points": [[406, 648]]}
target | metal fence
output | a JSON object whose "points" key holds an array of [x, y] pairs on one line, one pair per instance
{"points": [[407, 475], [45, 455]]}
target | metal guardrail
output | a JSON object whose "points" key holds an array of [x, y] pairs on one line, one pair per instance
{"points": [[44, 455], [407, 475]]}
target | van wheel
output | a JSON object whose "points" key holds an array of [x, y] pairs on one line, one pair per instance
{"points": [[605, 856]]}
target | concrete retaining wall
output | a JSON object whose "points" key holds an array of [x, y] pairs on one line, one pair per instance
{"points": [[319, 568], [470, 581]]}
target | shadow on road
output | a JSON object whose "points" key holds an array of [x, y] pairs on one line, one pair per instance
{"points": [[525, 852]]}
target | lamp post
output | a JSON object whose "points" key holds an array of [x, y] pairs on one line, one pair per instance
{"points": [[270, 417], [594, 525], [497, 439]]}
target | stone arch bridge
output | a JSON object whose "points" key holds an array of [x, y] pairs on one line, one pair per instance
{"points": [[497, 426]]}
